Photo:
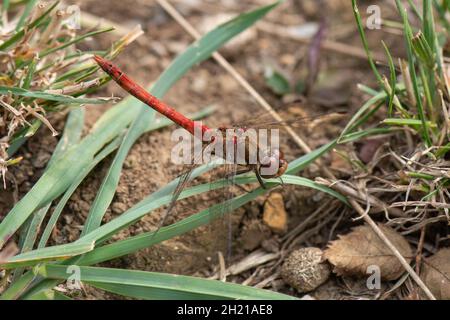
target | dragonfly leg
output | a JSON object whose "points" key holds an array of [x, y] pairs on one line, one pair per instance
{"points": [[230, 175], [260, 179], [237, 172]]}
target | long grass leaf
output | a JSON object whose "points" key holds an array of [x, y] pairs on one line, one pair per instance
{"points": [[154, 285], [26, 13], [77, 181], [204, 217], [71, 135], [408, 38], [51, 96], [49, 254], [60, 175]]}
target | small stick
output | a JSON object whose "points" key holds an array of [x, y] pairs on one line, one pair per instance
{"points": [[75, 88], [420, 248], [329, 45]]}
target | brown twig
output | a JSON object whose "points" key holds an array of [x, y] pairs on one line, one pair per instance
{"points": [[329, 45]]}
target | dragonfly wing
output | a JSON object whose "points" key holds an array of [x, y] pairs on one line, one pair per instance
{"points": [[183, 181], [267, 121]]}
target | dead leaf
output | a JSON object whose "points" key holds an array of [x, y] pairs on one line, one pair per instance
{"points": [[368, 149], [253, 233], [354, 252], [275, 216], [436, 274], [340, 161]]}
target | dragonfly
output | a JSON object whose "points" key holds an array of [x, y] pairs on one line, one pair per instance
{"points": [[268, 163]]}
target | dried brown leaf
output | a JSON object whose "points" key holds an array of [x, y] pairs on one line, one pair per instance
{"points": [[436, 274], [354, 252]]}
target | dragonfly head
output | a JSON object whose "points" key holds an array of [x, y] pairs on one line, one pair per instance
{"points": [[273, 166]]}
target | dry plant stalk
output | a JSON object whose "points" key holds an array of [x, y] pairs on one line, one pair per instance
{"points": [[41, 56]]}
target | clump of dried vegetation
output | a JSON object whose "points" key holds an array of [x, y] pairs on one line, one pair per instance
{"points": [[41, 70], [401, 168]]}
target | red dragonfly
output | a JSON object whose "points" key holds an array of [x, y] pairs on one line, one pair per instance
{"points": [[268, 159], [265, 159]]}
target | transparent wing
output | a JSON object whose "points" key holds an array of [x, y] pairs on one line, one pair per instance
{"points": [[184, 179], [265, 120]]}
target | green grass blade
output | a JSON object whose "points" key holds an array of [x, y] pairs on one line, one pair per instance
{"points": [[74, 41], [48, 254], [30, 74], [408, 37], [408, 122], [26, 13], [354, 123], [299, 164], [362, 34], [393, 78], [71, 135], [204, 217], [22, 136], [355, 136], [414, 8], [51, 96], [153, 285], [49, 295], [77, 181], [73, 128], [29, 235], [17, 288]]}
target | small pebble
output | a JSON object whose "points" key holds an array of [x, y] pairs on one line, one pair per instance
{"points": [[275, 215]]}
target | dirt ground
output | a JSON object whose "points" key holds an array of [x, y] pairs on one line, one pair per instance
{"points": [[148, 166]]}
